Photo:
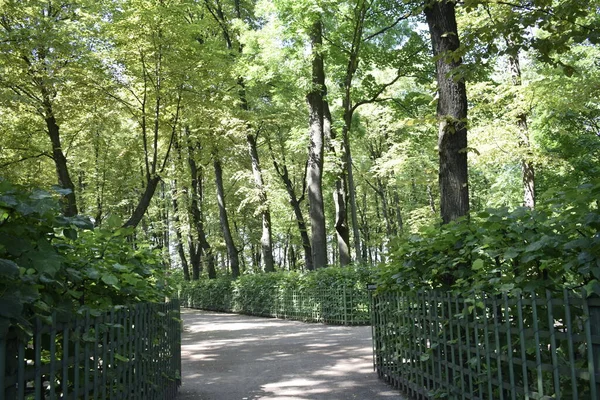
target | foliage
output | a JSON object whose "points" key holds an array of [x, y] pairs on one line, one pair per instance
{"points": [[142, 88], [551, 247], [259, 294], [49, 263]]}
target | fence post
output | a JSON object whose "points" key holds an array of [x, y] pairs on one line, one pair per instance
{"points": [[8, 364], [594, 310], [345, 306]]}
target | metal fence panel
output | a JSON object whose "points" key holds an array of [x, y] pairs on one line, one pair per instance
{"points": [[128, 353], [481, 346]]}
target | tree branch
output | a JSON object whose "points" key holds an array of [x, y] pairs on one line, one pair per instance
{"points": [[7, 164]]}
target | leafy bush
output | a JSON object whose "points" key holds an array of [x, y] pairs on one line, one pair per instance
{"points": [[50, 263], [261, 294], [557, 245]]}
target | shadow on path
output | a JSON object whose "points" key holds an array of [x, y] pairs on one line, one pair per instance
{"points": [[237, 357]]}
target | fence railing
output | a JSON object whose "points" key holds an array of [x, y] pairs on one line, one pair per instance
{"points": [[128, 353], [343, 306], [434, 345]]}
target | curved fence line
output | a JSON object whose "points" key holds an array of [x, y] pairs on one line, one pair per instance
{"points": [[344, 306], [128, 353]]}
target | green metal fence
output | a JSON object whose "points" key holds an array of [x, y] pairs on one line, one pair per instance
{"points": [[433, 345], [343, 306], [128, 353]]}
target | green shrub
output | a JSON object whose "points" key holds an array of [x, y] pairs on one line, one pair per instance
{"points": [[50, 263], [557, 245], [264, 294]]}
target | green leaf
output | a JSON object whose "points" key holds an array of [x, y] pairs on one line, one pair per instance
{"points": [[8, 268], [121, 358], [478, 264], [110, 280]]}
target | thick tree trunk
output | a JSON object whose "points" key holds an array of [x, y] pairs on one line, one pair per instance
{"points": [[451, 110], [314, 176], [60, 162], [266, 239], [232, 251]]}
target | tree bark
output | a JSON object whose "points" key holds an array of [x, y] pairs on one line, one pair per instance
{"points": [[295, 203], [266, 239], [203, 248], [69, 205], [528, 171], [178, 235], [314, 176], [143, 203], [232, 251], [339, 194], [451, 110]]}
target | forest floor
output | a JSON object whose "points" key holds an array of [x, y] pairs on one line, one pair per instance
{"points": [[237, 357]]}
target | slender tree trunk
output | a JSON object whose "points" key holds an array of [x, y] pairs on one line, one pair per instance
{"points": [[339, 195], [203, 248], [143, 203], [399, 220], [69, 205], [266, 239], [527, 168], [295, 203], [351, 191], [389, 230], [315, 152], [232, 251], [348, 111], [451, 110], [178, 235]]}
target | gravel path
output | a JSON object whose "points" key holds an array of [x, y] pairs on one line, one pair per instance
{"points": [[237, 357]]}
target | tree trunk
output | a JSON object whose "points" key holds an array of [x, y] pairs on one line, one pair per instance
{"points": [[69, 205], [266, 239], [232, 251], [399, 220], [203, 248], [527, 169], [389, 229], [339, 194], [351, 191], [295, 203], [144, 202], [314, 176], [451, 111], [179, 244]]}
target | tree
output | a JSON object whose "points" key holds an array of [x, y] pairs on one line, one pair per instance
{"points": [[314, 176], [451, 110], [41, 62], [232, 250]]}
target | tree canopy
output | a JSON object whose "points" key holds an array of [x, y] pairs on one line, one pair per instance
{"points": [[254, 135]]}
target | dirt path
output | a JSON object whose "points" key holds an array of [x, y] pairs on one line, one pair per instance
{"points": [[237, 357]]}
